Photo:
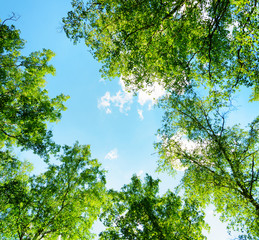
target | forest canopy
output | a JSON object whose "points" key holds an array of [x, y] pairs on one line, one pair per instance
{"points": [[65, 200], [202, 53], [209, 43], [25, 107]]}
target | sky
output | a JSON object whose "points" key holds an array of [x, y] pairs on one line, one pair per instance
{"points": [[119, 127]]}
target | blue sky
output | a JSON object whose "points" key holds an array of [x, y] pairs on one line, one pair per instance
{"points": [[119, 127]]}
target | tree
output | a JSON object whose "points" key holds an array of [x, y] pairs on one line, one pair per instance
{"points": [[25, 107], [180, 42], [63, 201], [221, 161], [67, 198], [137, 212]]}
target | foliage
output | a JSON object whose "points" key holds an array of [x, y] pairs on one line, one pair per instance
{"points": [[25, 107], [63, 201], [221, 161], [183, 44], [67, 198], [178, 42], [137, 212]]}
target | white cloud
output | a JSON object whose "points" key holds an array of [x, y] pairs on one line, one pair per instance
{"points": [[122, 84], [177, 165], [186, 145], [180, 143], [170, 143], [123, 99], [140, 113], [104, 102], [113, 154], [151, 95]]}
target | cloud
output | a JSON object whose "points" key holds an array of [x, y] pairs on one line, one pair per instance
{"points": [[180, 144], [140, 113], [113, 154], [151, 95], [104, 102], [123, 99]]}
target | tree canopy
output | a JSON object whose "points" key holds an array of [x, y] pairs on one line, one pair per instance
{"points": [[221, 161], [183, 45], [63, 201], [25, 107], [67, 198], [138, 212], [176, 42]]}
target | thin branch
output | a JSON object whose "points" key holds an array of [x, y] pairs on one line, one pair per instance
{"points": [[8, 135], [252, 177], [213, 27], [153, 24], [12, 18]]}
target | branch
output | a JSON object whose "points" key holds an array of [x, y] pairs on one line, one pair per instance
{"points": [[153, 24], [12, 18], [152, 217], [43, 231], [8, 135], [252, 178], [213, 27]]}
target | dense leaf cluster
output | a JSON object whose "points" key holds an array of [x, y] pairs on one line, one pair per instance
{"points": [[65, 200], [25, 107], [196, 135], [138, 212], [178, 42]]}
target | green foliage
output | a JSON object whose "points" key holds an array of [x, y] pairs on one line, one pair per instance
{"points": [[25, 107], [184, 44], [67, 198], [137, 212], [63, 201], [221, 161], [178, 42]]}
